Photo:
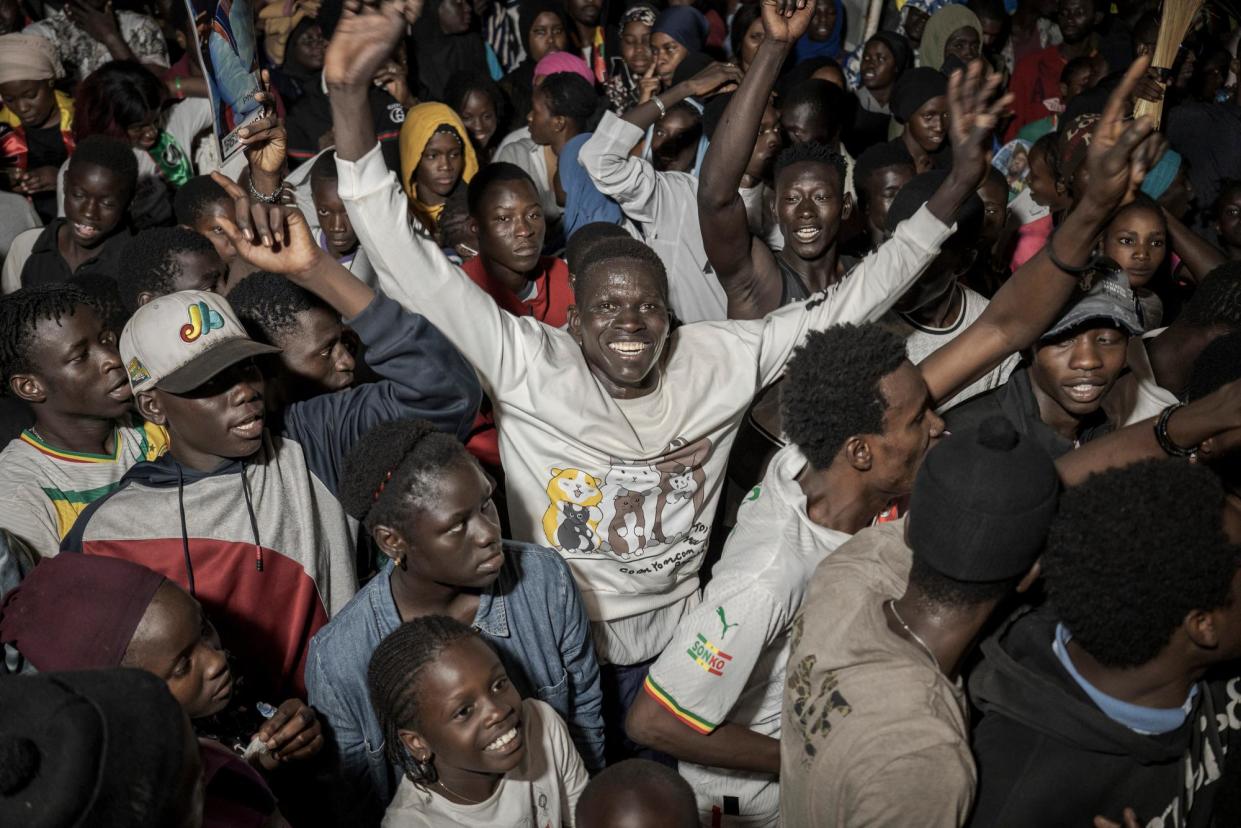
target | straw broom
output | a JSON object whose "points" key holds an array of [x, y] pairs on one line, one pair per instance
{"points": [[1178, 16]]}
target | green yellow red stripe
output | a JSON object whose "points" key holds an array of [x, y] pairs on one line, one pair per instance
{"points": [[668, 703]]}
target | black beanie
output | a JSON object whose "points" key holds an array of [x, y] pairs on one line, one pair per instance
{"points": [[982, 503], [913, 89], [103, 747]]}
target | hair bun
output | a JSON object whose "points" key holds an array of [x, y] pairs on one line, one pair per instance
{"points": [[998, 433]]}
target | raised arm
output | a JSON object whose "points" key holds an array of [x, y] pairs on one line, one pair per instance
{"points": [[881, 278], [1199, 256], [744, 265], [1120, 153]]}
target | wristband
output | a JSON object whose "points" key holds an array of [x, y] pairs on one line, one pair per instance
{"points": [[663, 110], [274, 198], [176, 82], [1072, 270], [1165, 440]]}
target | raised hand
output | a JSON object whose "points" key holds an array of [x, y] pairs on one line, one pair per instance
{"points": [[784, 21], [364, 39], [973, 113], [1131, 821], [265, 142], [714, 80], [270, 237], [648, 85], [1121, 151]]}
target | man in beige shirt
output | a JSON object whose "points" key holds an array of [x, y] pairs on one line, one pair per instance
{"points": [[875, 724]]}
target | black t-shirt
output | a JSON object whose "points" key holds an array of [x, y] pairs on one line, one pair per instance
{"points": [[47, 267], [46, 148]]}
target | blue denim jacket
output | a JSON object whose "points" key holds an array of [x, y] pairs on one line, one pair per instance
{"points": [[533, 617]]}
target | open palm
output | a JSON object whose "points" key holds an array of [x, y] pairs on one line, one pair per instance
{"points": [[973, 113], [363, 41], [269, 236], [1121, 150]]}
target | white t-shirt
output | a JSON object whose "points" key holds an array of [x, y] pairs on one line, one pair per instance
{"points": [[624, 489], [1137, 395], [541, 792], [727, 657], [922, 341]]}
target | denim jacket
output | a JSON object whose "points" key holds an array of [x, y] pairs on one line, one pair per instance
{"points": [[533, 617]]}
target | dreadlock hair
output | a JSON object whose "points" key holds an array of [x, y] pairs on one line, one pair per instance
{"points": [[582, 243], [833, 393], [268, 305], [393, 468], [826, 102], [109, 153], [20, 315], [496, 172], [812, 152], [1217, 300], [1132, 551], [609, 251], [393, 679], [570, 96], [151, 264], [879, 157], [195, 197]]}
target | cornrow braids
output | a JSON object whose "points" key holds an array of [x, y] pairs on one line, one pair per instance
{"points": [[393, 678], [20, 315], [393, 467]]}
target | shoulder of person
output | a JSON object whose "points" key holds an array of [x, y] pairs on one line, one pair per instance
{"points": [[532, 559]]}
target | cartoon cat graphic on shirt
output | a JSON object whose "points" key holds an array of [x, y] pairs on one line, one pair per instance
{"points": [[573, 514]]}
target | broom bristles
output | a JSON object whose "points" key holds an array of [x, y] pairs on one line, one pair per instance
{"points": [[1178, 16]]}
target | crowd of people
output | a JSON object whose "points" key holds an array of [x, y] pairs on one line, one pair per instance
{"points": [[567, 412]]}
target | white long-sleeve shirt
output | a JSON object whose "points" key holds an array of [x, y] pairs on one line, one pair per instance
{"points": [[624, 489]]}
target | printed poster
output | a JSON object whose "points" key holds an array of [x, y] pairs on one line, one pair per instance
{"points": [[228, 52]]}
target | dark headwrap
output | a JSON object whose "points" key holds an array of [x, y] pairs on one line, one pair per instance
{"points": [[529, 11], [913, 89], [440, 56], [691, 65], [901, 51], [103, 747], [77, 612], [684, 24]]}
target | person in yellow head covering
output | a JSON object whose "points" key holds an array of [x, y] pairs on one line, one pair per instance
{"points": [[436, 159]]}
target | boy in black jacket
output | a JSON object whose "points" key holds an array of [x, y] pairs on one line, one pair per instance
{"points": [[1108, 699]]}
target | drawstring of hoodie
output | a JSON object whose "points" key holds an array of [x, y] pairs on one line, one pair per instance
{"points": [[185, 535], [254, 522]]}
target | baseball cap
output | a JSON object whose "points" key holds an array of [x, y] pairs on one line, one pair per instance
{"points": [[177, 342], [1108, 299]]}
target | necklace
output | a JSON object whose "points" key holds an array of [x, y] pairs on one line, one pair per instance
{"points": [[891, 605], [449, 790]]}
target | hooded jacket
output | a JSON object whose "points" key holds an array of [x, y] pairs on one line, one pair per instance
{"points": [[1047, 755], [263, 543]]}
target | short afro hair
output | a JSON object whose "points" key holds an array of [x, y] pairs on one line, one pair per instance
{"points": [[607, 251], [490, 175], [324, 168], [879, 157], [826, 102], [582, 242], [20, 315], [570, 96], [104, 294], [196, 197], [832, 388], [268, 304], [641, 788], [812, 152], [1132, 551], [110, 153], [151, 264], [1217, 299], [393, 468]]}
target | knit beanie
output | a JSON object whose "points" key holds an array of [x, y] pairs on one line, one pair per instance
{"points": [[982, 503], [913, 89]]}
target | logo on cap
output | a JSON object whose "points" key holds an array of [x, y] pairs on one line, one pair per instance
{"points": [[138, 373], [203, 320]]}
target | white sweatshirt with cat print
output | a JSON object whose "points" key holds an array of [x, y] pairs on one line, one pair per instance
{"points": [[625, 490]]}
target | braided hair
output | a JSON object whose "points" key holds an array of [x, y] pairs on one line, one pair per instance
{"points": [[393, 678], [393, 467]]}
